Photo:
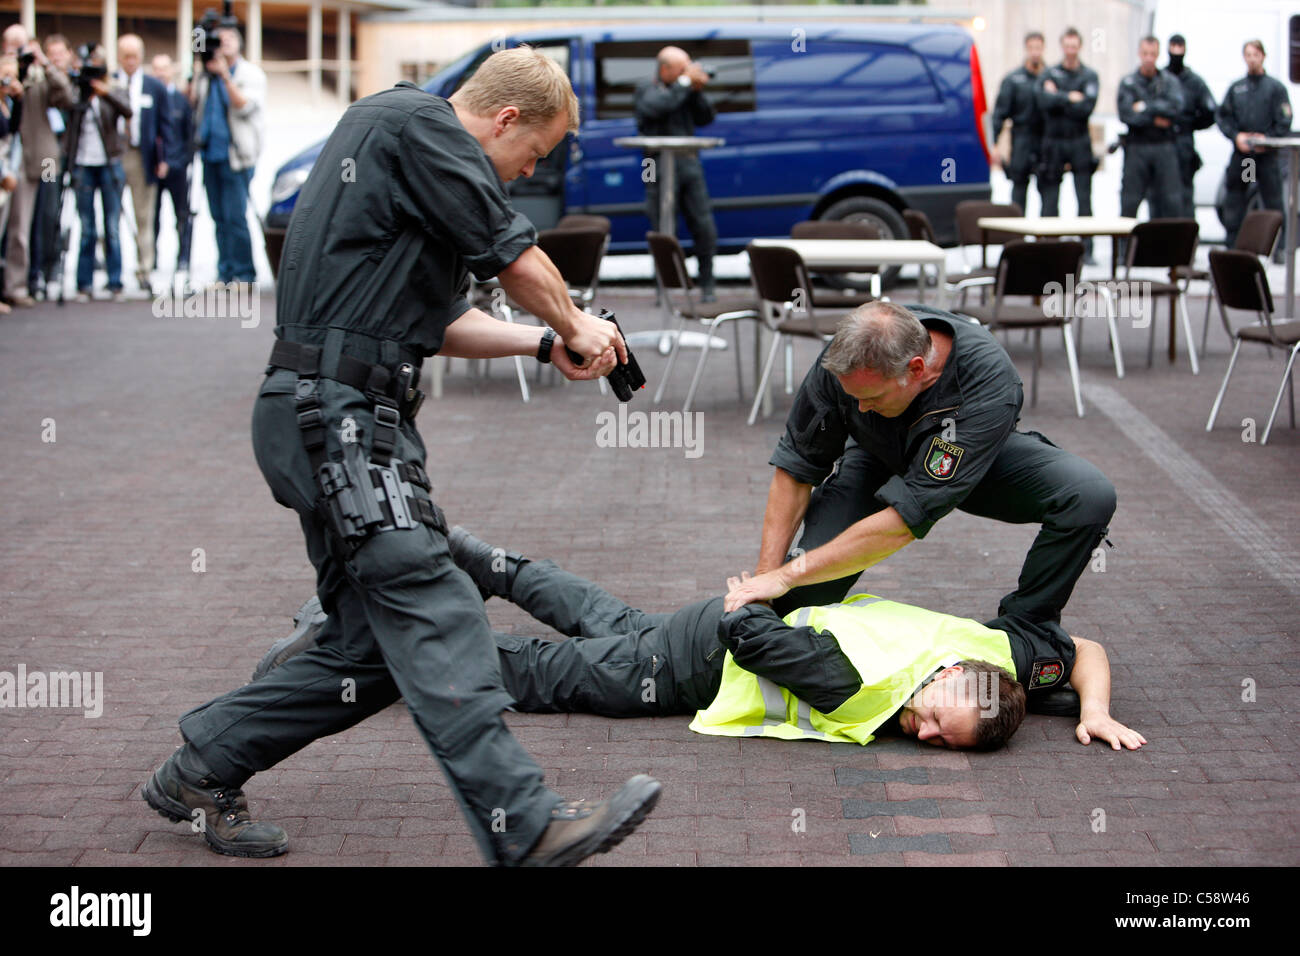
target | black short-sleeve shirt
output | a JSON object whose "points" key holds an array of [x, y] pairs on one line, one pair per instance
{"points": [[401, 205], [939, 448]]}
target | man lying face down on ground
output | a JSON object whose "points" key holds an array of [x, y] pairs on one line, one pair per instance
{"points": [[843, 672]]}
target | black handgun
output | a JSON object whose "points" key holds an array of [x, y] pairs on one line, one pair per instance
{"points": [[625, 378]]}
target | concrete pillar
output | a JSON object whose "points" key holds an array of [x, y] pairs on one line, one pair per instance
{"points": [[344, 54], [253, 42], [184, 40], [28, 16], [110, 33], [313, 50]]}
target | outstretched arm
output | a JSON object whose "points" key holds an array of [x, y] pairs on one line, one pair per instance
{"points": [[1091, 679]]}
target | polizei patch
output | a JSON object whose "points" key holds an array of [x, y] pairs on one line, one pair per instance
{"points": [[1045, 673], [942, 459]]}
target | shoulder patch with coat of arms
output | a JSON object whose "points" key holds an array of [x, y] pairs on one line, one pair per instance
{"points": [[942, 459]]}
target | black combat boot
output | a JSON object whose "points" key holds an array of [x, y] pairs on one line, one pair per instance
{"points": [[307, 623], [493, 569], [183, 785], [578, 829]]}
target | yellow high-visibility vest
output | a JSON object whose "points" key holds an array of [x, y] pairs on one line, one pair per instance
{"points": [[895, 647]]}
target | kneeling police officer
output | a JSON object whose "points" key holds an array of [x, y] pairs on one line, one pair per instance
{"points": [[406, 199]]}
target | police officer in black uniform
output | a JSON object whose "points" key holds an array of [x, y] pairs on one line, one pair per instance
{"points": [[1254, 106], [1150, 102], [1198, 113], [674, 104], [915, 414], [1016, 103], [406, 198], [1067, 95]]}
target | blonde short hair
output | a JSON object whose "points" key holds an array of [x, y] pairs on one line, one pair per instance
{"points": [[525, 79]]}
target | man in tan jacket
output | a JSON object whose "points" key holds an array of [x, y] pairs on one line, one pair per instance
{"points": [[43, 86]]}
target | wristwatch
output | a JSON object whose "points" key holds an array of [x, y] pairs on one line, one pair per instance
{"points": [[544, 347]]}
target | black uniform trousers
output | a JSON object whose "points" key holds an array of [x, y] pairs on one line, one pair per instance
{"points": [[618, 661], [1054, 154], [1024, 157], [1188, 163], [1151, 172], [1267, 174], [404, 621], [176, 186], [1031, 480], [694, 205]]}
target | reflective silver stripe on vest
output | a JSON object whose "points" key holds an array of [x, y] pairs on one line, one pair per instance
{"points": [[805, 722], [773, 706]]}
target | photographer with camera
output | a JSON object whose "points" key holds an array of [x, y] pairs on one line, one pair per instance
{"points": [[41, 85], [95, 151], [229, 97], [674, 104]]}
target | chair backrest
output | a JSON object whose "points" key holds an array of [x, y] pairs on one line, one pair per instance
{"points": [[1240, 280], [780, 276], [577, 253], [918, 226], [1259, 231], [1031, 268], [584, 221], [670, 261], [833, 229], [970, 211], [1162, 243]]}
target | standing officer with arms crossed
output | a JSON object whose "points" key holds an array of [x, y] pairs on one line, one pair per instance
{"points": [[916, 415], [1150, 100], [373, 280], [673, 104], [1067, 95], [1197, 113], [1016, 103], [1256, 105]]}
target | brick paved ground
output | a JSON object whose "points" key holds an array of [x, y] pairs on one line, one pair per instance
{"points": [[152, 460]]}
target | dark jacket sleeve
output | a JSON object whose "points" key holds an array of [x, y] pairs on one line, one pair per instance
{"points": [[1198, 105], [1280, 115], [1002, 109], [1127, 97], [1226, 117], [806, 662], [1083, 109], [982, 428], [815, 430], [446, 182], [117, 104], [1171, 99], [702, 111], [656, 100], [1043, 652], [167, 132]]}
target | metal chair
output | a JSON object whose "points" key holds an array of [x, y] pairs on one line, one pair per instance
{"points": [[1242, 283], [1165, 244], [1032, 269], [577, 252], [672, 277], [1257, 235], [839, 229], [788, 309]]}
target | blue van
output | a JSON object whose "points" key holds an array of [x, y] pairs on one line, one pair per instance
{"points": [[837, 122]]}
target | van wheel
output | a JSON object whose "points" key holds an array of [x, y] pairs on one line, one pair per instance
{"points": [[875, 212]]}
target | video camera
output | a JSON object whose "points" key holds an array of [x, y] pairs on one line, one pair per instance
{"points": [[25, 61], [209, 27], [85, 53], [624, 379]]}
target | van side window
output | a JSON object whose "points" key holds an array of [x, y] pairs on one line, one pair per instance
{"points": [[620, 66], [852, 74]]}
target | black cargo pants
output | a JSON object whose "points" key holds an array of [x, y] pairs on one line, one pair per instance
{"points": [[1151, 172], [1031, 480], [695, 207], [404, 621]]}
